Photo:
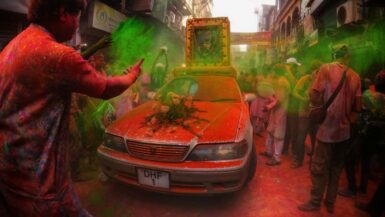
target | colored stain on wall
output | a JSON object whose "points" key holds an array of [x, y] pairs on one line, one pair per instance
{"points": [[141, 37], [130, 42], [366, 48]]}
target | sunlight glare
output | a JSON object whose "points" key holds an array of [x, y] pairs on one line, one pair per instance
{"points": [[240, 12]]}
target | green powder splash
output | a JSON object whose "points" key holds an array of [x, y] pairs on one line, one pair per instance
{"points": [[366, 48], [141, 37]]}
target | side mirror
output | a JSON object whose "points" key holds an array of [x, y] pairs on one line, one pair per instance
{"points": [[248, 97]]}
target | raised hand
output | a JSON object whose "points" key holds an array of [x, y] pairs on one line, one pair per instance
{"points": [[136, 69]]}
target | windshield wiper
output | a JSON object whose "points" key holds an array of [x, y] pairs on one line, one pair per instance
{"points": [[223, 100]]}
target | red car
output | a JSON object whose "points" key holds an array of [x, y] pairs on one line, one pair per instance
{"points": [[195, 137]]}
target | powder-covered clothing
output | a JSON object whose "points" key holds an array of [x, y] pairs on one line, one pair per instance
{"points": [[278, 115], [37, 77], [301, 93], [336, 127]]}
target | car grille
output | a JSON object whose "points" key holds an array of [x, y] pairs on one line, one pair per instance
{"points": [[156, 152]]}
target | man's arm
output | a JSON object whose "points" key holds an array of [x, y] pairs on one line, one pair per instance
{"points": [[77, 75], [118, 84], [299, 88], [315, 97], [318, 86]]}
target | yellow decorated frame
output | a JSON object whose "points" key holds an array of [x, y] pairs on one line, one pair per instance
{"points": [[208, 42]]}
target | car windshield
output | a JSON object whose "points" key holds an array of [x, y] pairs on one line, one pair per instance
{"points": [[204, 88]]}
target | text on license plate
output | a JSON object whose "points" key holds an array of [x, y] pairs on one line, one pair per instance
{"points": [[153, 178]]}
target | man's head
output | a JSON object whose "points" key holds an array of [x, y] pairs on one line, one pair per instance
{"points": [[160, 68], [341, 53], [60, 17], [293, 65], [293, 62], [205, 40]]}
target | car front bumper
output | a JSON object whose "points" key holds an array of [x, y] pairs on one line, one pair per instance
{"points": [[184, 177]]}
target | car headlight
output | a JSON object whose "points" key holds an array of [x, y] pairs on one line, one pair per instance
{"points": [[114, 142], [215, 152]]}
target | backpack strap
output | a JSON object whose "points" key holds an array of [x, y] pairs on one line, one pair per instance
{"points": [[337, 90]]}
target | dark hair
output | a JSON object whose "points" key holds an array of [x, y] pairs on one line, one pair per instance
{"points": [[41, 10], [379, 82], [340, 52]]}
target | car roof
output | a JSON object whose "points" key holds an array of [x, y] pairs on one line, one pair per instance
{"points": [[206, 70]]}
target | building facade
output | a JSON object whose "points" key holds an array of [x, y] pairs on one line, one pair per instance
{"points": [[172, 13], [266, 18], [286, 27], [202, 8], [309, 29], [360, 24], [169, 13]]}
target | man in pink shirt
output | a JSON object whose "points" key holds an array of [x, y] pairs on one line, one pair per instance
{"points": [[38, 74], [334, 133]]}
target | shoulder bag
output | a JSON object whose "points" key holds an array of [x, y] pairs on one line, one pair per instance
{"points": [[317, 114]]}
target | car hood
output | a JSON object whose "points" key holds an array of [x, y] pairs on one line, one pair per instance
{"points": [[219, 123]]}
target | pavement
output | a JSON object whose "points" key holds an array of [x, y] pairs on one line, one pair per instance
{"points": [[274, 192]]}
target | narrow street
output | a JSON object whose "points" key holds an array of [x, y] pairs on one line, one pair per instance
{"points": [[191, 97], [274, 192]]}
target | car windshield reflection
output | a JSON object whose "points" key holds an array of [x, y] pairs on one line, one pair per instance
{"points": [[203, 88]]}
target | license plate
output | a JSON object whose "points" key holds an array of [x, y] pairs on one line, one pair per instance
{"points": [[153, 178]]}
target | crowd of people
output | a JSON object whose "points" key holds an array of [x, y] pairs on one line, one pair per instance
{"points": [[288, 97], [45, 111]]}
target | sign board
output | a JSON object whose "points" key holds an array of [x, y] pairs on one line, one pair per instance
{"points": [[252, 38], [208, 42], [106, 18]]}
